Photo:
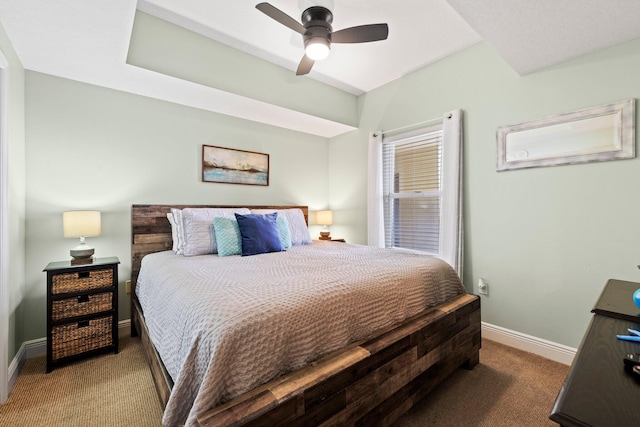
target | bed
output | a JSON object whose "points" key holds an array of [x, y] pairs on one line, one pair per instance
{"points": [[371, 381]]}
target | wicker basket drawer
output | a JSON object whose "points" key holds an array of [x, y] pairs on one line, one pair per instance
{"points": [[76, 338], [81, 281], [81, 305]]}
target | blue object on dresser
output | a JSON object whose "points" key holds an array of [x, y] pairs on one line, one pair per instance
{"points": [[636, 298]]}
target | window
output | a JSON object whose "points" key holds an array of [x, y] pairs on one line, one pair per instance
{"points": [[415, 189], [412, 191]]}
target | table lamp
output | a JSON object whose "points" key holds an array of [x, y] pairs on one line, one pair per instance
{"points": [[324, 218], [81, 224]]}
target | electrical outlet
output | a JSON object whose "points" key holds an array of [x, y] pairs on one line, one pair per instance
{"points": [[483, 287], [128, 286]]}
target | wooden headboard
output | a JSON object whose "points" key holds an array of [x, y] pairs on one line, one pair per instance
{"points": [[151, 231]]}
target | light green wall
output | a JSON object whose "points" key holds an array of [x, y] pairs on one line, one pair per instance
{"points": [[16, 193], [160, 46], [96, 148], [545, 239]]}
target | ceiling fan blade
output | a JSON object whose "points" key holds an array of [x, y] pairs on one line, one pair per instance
{"points": [[361, 34], [281, 17], [305, 66]]}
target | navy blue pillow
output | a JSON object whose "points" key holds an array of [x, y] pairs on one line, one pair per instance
{"points": [[259, 233]]}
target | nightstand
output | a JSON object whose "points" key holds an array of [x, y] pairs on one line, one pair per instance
{"points": [[82, 309]]}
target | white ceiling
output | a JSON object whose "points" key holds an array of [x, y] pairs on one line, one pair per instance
{"points": [[87, 40], [534, 34], [420, 33]]}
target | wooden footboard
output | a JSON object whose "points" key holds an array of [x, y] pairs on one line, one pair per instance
{"points": [[372, 382]]}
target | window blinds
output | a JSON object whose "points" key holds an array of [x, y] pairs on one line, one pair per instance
{"points": [[412, 190]]}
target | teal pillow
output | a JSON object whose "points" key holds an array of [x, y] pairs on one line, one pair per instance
{"points": [[283, 230], [227, 236]]}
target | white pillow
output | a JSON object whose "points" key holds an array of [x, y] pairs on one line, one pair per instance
{"points": [[199, 234], [297, 225], [178, 240], [174, 232]]}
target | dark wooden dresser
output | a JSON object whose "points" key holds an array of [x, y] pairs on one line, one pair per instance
{"points": [[598, 392], [82, 309]]}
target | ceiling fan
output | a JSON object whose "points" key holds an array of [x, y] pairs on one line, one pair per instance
{"points": [[318, 34]]}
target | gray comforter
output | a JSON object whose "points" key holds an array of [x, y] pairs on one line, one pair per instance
{"points": [[225, 325]]}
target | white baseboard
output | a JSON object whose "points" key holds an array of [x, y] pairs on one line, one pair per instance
{"points": [[38, 347], [547, 349], [15, 367]]}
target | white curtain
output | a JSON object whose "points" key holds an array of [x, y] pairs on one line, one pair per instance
{"points": [[451, 237], [375, 211], [452, 187]]}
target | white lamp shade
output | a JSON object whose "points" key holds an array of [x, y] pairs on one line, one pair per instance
{"points": [[81, 223], [324, 217]]}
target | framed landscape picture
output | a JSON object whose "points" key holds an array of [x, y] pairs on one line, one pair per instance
{"points": [[231, 166]]}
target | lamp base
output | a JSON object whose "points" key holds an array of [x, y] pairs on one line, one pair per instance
{"points": [[325, 235], [82, 251]]}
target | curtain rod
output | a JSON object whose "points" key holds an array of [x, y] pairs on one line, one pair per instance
{"points": [[426, 122]]}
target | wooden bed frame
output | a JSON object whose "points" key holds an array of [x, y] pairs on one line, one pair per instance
{"points": [[370, 382]]}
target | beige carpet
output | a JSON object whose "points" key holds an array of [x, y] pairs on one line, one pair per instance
{"points": [[106, 390], [508, 388]]}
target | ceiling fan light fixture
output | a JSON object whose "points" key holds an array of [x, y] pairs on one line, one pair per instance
{"points": [[317, 48], [317, 32]]}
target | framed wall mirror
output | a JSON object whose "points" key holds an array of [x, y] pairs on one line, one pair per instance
{"points": [[589, 135]]}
